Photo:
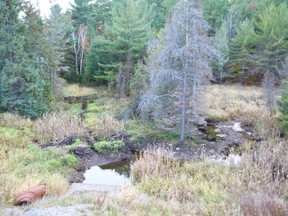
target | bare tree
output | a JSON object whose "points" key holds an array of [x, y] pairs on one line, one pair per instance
{"points": [[183, 68]]}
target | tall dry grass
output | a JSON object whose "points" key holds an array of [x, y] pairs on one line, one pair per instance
{"points": [[230, 102], [105, 126], [54, 126], [241, 103], [256, 186]]}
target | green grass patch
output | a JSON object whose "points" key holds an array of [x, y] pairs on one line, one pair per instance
{"points": [[216, 118], [164, 178], [108, 146], [96, 109], [14, 137], [75, 109], [143, 131], [76, 143]]}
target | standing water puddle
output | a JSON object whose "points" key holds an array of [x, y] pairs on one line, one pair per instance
{"points": [[116, 174]]}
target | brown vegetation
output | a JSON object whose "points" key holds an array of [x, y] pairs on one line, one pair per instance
{"points": [[54, 126]]}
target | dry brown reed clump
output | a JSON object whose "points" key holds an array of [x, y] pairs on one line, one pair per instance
{"points": [[263, 179], [54, 126], [106, 126], [152, 162], [229, 102]]}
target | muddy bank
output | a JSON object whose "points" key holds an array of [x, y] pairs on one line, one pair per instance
{"points": [[210, 139]]}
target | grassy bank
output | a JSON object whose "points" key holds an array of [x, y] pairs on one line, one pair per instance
{"points": [[161, 186], [24, 164]]}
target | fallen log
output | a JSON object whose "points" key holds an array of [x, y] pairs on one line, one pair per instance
{"points": [[78, 99], [30, 195]]}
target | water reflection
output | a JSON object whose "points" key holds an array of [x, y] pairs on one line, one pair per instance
{"points": [[110, 174]]}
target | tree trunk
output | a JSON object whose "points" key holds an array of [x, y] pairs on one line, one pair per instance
{"points": [[184, 87], [183, 116]]}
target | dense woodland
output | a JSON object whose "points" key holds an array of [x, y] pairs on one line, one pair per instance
{"points": [[158, 68]]}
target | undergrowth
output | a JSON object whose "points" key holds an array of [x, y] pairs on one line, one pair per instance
{"points": [[108, 146], [25, 165]]}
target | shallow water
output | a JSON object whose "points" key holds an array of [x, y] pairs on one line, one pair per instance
{"points": [[212, 133], [117, 174]]}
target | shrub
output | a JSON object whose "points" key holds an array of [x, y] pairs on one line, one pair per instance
{"points": [[70, 160], [52, 127], [137, 138], [108, 146]]}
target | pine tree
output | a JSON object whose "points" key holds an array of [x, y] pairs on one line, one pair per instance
{"points": [[223, 46], [57, 30], [271, 30], [123, 44], [242, 49], [22, 87], [215, 12]]}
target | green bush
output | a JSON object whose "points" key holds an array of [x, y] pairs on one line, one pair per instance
{"points": [[283, 108], [137, 138], [108, 146], [70, 160]]}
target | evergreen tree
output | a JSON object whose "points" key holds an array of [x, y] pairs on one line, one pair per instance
{"points": [[271, 30], [215, 12], [123, 44], [58, 30], [22, 87], [223, 46], [242, 49], [81, 12]]}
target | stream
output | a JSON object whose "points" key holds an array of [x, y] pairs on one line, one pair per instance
{"points": [[220, 136], [116, 174]]}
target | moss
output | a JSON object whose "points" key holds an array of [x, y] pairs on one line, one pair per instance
{"points": [[76, 143], [108, 146]]}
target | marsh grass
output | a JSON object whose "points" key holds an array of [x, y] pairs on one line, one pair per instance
{"points": [[106, 126], [230, 102], [54, 126], [256, 186], [25, 165]]}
